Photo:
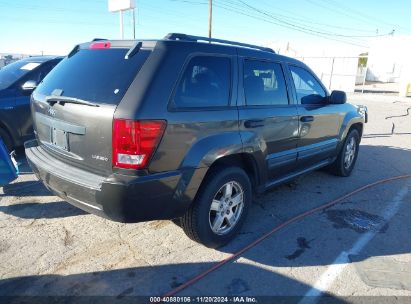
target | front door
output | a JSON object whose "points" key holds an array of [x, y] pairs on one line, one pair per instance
{"points": [[319, 121]]}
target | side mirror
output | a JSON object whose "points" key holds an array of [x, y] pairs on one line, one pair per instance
{"points": [[338, 97], [29, 85]]}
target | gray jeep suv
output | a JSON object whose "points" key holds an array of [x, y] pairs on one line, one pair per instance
{"points": [[184, 128]]}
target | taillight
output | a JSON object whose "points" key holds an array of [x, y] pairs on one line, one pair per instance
{"points": [[134, 142]]}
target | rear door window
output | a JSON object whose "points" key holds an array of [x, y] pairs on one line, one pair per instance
{"points": [[309, 90], [205, 83], [15, 71], [101, 76], [264, 83], [39, 73]]}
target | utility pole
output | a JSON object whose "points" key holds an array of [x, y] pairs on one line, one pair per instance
{"points": [[121, 6], [210, 17], [134, 23], [121, 25]]}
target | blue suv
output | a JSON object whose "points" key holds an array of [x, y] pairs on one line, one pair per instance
{"points": [[17, 82]]}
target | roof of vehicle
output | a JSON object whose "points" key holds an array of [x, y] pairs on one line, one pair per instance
{"points": [[252, 49], [192, 41], [41, 58]]}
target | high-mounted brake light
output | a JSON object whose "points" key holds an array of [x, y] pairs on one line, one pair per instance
{"points": [[134, 142], [100, 45]]}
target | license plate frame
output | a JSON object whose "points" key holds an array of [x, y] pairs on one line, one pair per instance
{"points": [[59, 138]]}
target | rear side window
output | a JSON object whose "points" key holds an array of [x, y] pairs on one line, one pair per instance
{"points": [[38, 74], [16, 70], [205, 83], [264, 83], [309, 90], [101, 76]]}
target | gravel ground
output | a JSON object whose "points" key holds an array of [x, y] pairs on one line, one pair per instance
{"points": [[360, 247]]}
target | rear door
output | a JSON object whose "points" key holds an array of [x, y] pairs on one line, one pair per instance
{"points": [[319, 121], [268, 117], [74, 106]]}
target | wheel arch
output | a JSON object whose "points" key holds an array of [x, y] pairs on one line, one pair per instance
{"points": [[243, 160], [351, 121], [357, 126]]}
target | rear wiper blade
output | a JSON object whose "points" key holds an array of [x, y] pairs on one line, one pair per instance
{"points": [[63, 99]]}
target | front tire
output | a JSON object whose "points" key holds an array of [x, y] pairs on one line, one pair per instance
{"points": [[220, 208], [345, 162]]}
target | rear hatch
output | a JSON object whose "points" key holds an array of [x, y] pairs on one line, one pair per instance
{"points": [[73, 107]]}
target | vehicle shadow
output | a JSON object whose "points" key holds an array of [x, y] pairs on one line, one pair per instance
{"points": [[302, 244], [42, 210], [25, 188], [127, 285]]}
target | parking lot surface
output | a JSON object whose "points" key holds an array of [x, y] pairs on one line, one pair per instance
{"points": [[360, 247]]}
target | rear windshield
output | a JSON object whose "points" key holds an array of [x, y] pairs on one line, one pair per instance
{"points": [[101, 76]]}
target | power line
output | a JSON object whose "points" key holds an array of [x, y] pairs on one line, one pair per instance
{"points": [[269, 19], [367, 17], [306, 28], [304, 19], [292, 15], [301, 25], [231, 9], [81, 14]]}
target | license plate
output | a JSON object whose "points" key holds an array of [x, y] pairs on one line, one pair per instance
{"points": [[59, 138]]}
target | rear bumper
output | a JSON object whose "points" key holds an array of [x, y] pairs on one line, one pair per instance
{"points": [[121, 198]]}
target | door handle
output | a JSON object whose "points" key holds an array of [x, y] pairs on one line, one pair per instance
{"points": [[254, 123], [307, 118]]}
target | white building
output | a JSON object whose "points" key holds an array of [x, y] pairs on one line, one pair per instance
{"points": [[389, 58]]}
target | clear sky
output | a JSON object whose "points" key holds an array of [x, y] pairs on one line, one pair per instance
{"points": [[55, 26]]}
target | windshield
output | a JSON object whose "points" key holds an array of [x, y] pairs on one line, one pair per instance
{"points": [[98, 76], [14, 71]]}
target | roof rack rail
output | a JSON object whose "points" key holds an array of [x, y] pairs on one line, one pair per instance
{"points": [[184, 37], [98, 39]]}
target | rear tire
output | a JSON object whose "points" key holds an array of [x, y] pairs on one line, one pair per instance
{"points": [[217, 214], [6, 140], [345, 162]]}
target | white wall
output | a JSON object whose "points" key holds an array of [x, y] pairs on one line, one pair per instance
{"points": [[388, 57], [337, 73], [320, 60]]}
